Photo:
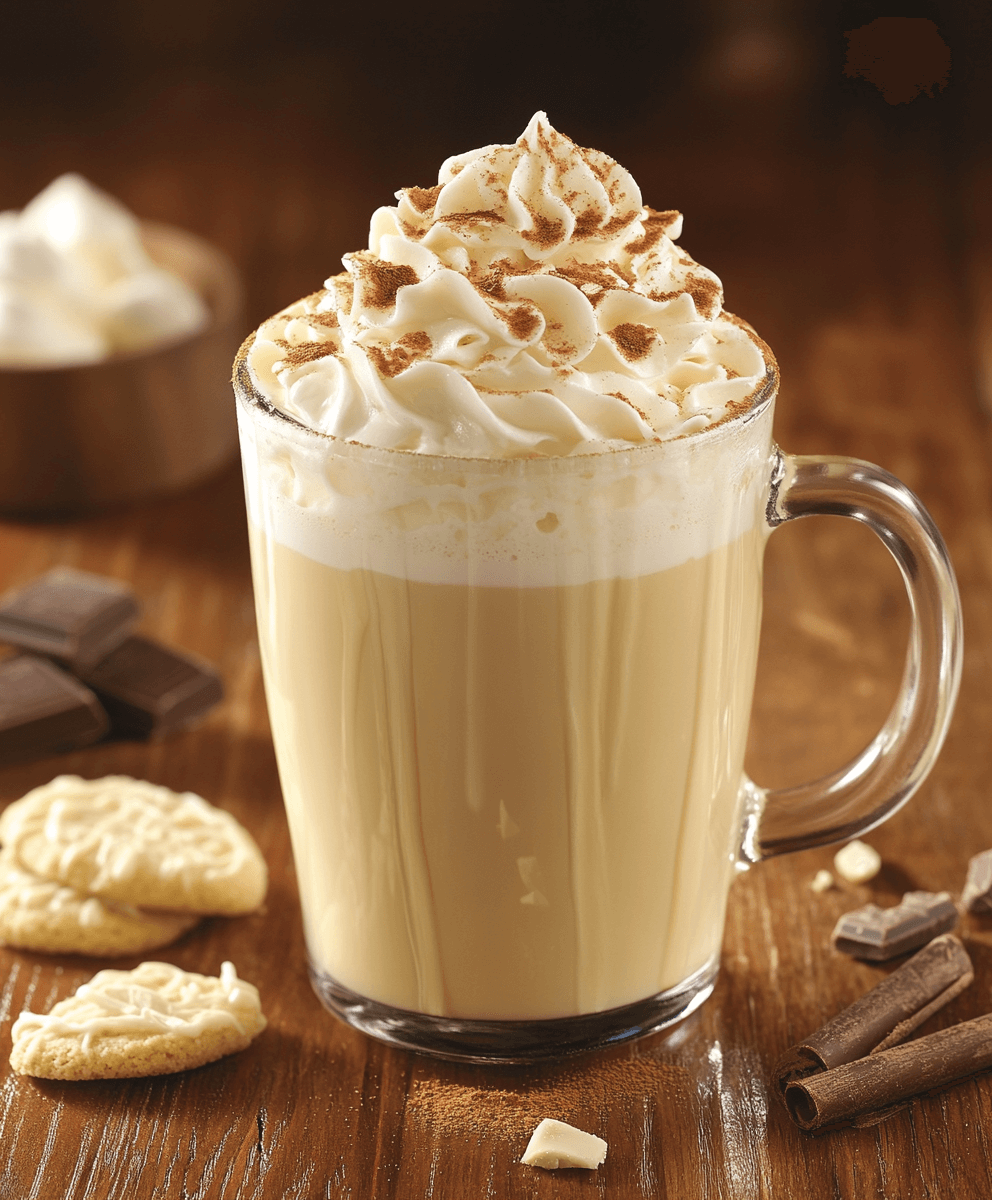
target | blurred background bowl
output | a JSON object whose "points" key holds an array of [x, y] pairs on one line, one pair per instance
{"points": [[75, 439]]}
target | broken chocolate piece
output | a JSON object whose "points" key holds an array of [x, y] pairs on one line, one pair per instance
{"points": [[977, 894], [43, 710], [150, 690], [886, 1015], [878, 934], [870, 1089], [69, 615]]}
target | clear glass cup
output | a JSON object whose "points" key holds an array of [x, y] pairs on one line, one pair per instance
{"points": [[510, 701]]}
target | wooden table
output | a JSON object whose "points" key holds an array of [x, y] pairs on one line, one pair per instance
{"points": [[845, 269]]}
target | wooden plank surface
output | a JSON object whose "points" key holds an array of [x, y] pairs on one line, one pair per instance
{"points": [[853, 284]]}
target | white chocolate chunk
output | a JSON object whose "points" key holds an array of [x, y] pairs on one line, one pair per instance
{"points": [[857, 862], [554, 1144], [822, 881]]}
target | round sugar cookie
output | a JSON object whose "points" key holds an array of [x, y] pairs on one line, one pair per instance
{"points": [[154, 1020], [137, 843], [40, 914]]}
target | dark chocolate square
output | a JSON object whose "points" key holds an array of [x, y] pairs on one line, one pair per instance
{"points": [[150, 690], [43, 710], [878, 934], [70, 615]]}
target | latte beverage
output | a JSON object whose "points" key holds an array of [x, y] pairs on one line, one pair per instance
{"points": [[506, 481], [535, 789]]}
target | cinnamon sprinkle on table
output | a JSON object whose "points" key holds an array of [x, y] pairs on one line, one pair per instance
{"points": [[584, 1097]]}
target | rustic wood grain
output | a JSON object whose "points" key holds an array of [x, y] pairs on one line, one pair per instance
{"points": [[853, 284]]}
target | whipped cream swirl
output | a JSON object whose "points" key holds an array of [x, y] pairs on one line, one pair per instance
{"points": [[529, 304]]}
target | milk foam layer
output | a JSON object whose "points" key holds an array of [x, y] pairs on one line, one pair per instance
{"points": [[509, 523], [77, 285], [529, 304]]}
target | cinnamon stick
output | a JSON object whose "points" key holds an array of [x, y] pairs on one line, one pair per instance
{"points": [[883, 1017], [870, 1089]]}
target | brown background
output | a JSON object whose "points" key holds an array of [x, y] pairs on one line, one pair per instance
{"points": [[854, 234]]}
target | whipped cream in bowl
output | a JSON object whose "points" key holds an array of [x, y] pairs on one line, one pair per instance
{"points": [[115, 340], [78, 284], [528, 304]]}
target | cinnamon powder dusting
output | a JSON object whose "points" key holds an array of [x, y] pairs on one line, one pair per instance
{"points": [[615, 224], [327, 319], [655, 225], [705, 293], [423, 199], [547, 231], [594, 161], [587, 223], [305, 352], [522, 322], [484, 216], [592, 275], [633, 341], [492, 285], [391, 360], [381, 281], [583, 1097]]}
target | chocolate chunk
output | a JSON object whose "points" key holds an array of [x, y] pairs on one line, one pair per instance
{"points": [[149, 689], [977, 894], [69, 615], [878, 934], [870, 1089], [886, 1015], [45, 711]]}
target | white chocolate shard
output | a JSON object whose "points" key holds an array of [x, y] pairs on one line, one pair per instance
{"points": [[857, 862], [822, 881], [554, 1144]]}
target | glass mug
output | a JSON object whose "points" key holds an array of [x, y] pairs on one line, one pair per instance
{"points": [[510, 699]]}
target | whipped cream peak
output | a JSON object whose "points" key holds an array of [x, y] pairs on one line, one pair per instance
{"points": [[541, 196], [528, 304]]}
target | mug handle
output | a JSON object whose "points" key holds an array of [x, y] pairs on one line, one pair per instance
{"points": [[889, 770]]}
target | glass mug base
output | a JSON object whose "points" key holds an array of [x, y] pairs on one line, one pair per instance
{"points": [[464, 1040]]}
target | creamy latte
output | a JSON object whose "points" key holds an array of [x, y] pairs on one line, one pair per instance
{"points": [[506, 481], [511, 802]]}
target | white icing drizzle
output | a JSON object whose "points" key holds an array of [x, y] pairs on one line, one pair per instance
{"points": [[122, 825], [22, 889], [154, 998]]}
